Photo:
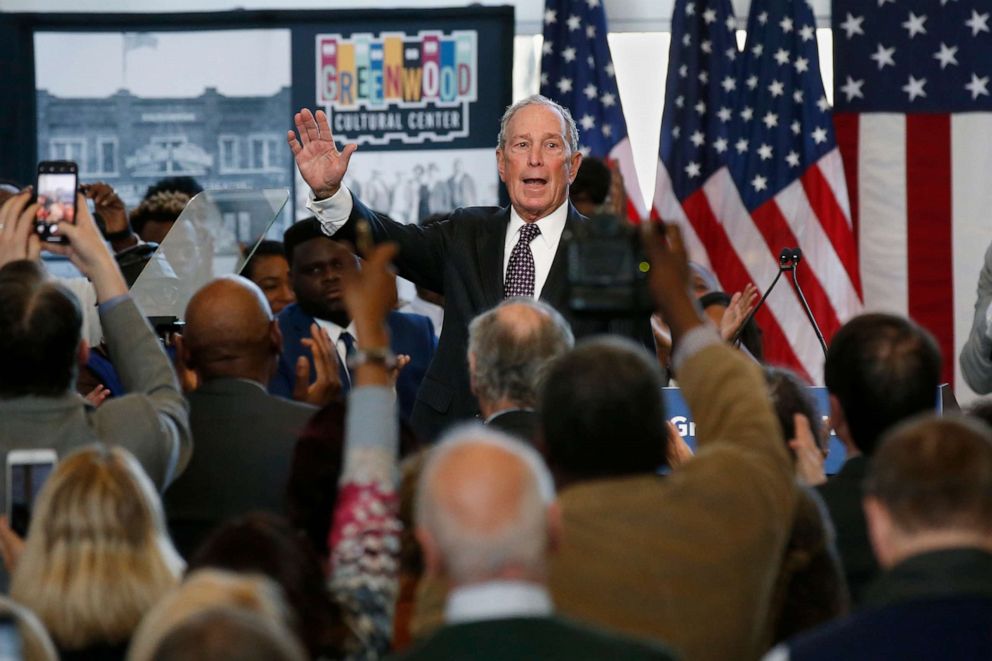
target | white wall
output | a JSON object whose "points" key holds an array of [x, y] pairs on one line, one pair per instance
{"points": [[623, 15]]}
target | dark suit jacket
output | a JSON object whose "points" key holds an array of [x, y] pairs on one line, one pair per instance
{"points": [[411, 334], [935, 605], [547, 638], [243, 442], [462, 259], [842, 495], [520, 423]]}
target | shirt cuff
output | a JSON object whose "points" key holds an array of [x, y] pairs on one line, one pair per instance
{"points": [[332, 212], [112, 303], [692, 343]]}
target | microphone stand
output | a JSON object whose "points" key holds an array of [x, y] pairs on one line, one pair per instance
{"points": [[784, 264], [797, 256]]}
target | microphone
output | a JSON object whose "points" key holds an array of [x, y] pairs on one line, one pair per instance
{"points": [[797, 256], [786, 262]]}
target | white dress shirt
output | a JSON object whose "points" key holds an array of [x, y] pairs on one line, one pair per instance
{"points": [[333, 213], [495, 600], [334, 333]]}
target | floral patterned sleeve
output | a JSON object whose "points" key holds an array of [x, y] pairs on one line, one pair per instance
{"points": [[365, 533]]}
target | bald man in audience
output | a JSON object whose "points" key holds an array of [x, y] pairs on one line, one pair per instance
{"points": [[508, 349], [928, 505], [243, 437], [486, 520]]}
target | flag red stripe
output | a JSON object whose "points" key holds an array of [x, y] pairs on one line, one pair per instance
{"points": [[831, 216], [929, 226], [773, 226], [846, 131], [734, 276]]}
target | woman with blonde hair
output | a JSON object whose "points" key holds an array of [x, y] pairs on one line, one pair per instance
{"points": [[97, 556]]}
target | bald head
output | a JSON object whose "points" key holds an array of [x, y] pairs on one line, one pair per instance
{"points": [[229, 330], [483, 506], [509, 348]]}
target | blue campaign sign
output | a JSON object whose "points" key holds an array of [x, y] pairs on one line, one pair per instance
{"points": [[681, 417]]}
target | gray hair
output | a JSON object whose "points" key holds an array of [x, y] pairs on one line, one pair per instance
{"points": [[473, 554], [571, 130], [511, 358]]}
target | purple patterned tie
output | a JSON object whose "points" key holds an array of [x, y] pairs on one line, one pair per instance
{"points": [[520, 270]]}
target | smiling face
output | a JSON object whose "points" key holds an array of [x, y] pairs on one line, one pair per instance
{"points": [[536, 163]]}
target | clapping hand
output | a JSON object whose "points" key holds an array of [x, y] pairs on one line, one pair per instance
{"points": [[321, 165]]}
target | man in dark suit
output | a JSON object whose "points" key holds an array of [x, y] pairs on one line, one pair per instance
{"points": [[928, 503], [486, 521], [880, 370], [508, 348], [316, 266], [479, 255], [243, 436]]}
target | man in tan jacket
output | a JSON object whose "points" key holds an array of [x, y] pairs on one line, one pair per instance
{"points": [[689, 558]]}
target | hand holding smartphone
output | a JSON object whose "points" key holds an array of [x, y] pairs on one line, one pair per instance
{"points": [[55, 192]]}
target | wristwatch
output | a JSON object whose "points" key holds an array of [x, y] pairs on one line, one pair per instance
{"points": [[381, 355]]}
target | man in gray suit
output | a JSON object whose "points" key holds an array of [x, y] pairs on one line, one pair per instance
{"points": [[41, 347], [244, 436]]}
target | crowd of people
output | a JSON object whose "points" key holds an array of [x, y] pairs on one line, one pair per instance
{"points": [[307, 473]]}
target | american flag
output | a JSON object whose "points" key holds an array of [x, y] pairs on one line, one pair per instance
{"points": [[749, 166], [577, 72], [912, 91]]}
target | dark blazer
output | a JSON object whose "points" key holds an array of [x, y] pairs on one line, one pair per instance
{"points": [[520, 423], [411, 334], [243, 439], [842, 495], [462, 259], [935, 605], [547, 638]]}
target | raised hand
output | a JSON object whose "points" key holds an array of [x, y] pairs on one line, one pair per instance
{"points": [[327, 386], [809, 457], [668, 278], [740, 307], [320, 163]]}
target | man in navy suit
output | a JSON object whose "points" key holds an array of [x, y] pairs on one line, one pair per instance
{"points": [[316, 263], [478, 255]]}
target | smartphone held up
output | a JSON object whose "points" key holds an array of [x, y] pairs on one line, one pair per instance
{"points": [[55, 192]]}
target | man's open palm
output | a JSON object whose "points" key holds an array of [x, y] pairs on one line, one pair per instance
{"points": [[321, 164]]}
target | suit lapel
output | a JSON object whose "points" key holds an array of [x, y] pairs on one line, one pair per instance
{"points": [[555, 291], [489, 249]]}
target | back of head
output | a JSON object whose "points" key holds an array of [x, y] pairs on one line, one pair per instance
{"points": [[789, 396], [40, 330], [204, 590], [935, 473], [97, 537], [511, 345], [186, 185], [483, 503], [263, 543], [229, 329], [602, 412], [227, 633], [163, 206], [883, 369]]}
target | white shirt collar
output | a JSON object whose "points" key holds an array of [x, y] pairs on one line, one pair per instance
{"points": [[333, 330], [551, 226], [496, 600]]}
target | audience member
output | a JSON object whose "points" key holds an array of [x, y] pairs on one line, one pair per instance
{"points": [[269, 269], [591, 187], [262, 543], [880, 369], [97, 556], [152, 219], [243, 435], [486, 521], [41, 348], [185, 185], [928, 504], [509, 348], [690, 558], [318, 265], [203, 591], [231, 634], [976, 354]]}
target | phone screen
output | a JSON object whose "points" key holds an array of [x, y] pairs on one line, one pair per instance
{"points": [[57, 202], [26, 481]]}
